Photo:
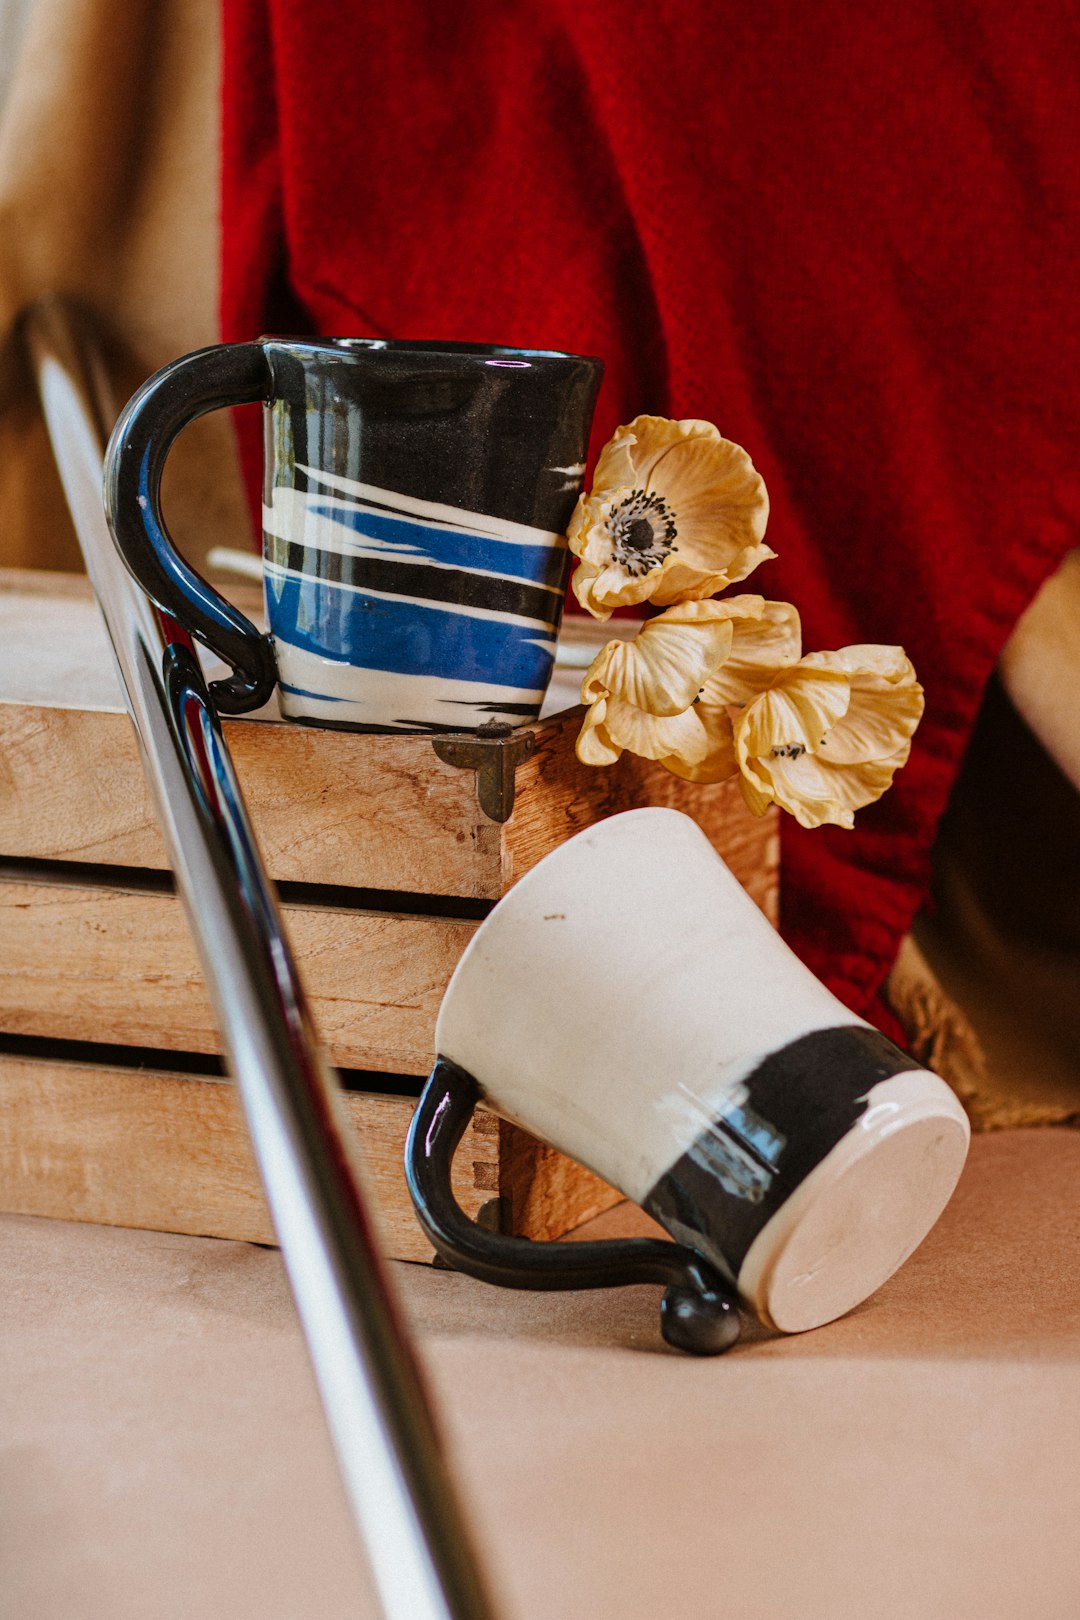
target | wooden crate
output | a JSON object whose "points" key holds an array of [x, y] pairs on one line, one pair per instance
{"points": [[113, 1107]]}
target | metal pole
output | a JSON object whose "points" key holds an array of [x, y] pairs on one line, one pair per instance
{"points": [[375, 1403]]}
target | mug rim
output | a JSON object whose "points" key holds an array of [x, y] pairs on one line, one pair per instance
{"points": [[438, 347]]}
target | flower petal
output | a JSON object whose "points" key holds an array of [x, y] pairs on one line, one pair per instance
{"points": [[681, 736], [767, 637], [870, 658], [594, 746], [877, 723], [615, 467], [600, 590], [669, 660], [655, 437], [757, 801], [720, 761], [679, 581], [886, 704], [582, 581], [795, 713], [587, 533], [817, 791], [714, 488]]}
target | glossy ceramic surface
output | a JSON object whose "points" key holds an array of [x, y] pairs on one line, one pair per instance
{"points": [[698, 1312], [628, 1003], [415, 501]]}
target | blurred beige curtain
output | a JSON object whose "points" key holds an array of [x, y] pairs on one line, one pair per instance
{"points": [[109, 194]]}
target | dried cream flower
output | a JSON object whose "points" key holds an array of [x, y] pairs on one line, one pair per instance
{"points": [[641, 693], [828, 735], [675, 513], [711, 689], [767, 638]]}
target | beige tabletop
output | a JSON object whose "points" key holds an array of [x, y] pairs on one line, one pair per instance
{"points": [[162, 1454]]}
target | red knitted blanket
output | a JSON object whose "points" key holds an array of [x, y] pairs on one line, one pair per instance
{"points": [[848, 235]]}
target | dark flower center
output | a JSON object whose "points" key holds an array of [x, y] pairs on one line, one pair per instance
{"points": [[639, 535], [642, 529]]}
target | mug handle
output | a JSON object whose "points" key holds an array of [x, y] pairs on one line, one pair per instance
{"points": [[225, 374], [699, 1311]]}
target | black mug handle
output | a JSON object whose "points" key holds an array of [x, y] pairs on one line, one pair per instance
{"points": [[226, 374], [699, 1311]]}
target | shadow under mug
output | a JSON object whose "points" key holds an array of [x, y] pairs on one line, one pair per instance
{"points": [[416, 497], [628, 1003]]}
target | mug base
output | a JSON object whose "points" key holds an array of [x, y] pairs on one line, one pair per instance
{"points": [[339, 697], [493, 724], [863, 1210], [367, 729]]}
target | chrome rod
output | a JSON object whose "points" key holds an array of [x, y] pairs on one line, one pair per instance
{"points": [[375, 1402]]}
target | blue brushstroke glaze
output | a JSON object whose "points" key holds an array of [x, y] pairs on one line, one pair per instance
{"points": [[319, 697], [540, 565], [406, 638], [758, 1134]]}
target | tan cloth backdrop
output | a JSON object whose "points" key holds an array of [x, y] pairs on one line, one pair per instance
{"points": [[1001, 939], [108, 194]]}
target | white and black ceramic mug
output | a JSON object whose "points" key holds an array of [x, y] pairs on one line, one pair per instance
{"points": [[629, 1004], [416, 497]]}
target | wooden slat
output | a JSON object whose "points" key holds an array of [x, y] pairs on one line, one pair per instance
{"points": [[170, 1152], [543, 1193], [124, 1147], [103, 964], [329, 806], [367, 811]]}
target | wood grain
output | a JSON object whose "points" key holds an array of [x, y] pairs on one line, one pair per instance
{"points": [[377, 811], [170, 1152], [148, 1148], [543, 1193], [330, 807], [103, 964]]}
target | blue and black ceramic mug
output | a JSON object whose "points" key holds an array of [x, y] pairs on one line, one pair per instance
{"points": [[416, 497]]}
